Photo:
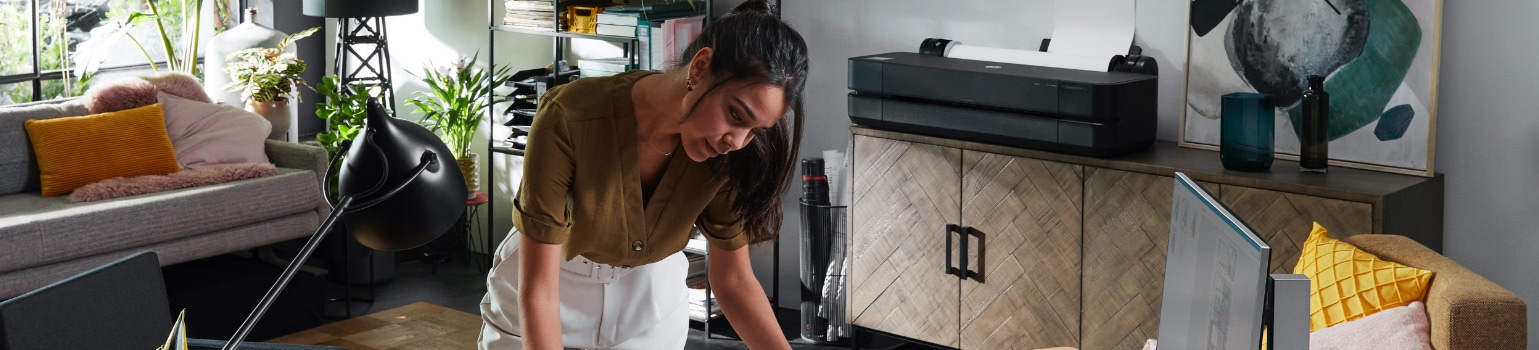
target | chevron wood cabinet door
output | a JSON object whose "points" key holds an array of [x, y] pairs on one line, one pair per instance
{"points": [[1025, 252], [905, 195], [1285, 219], [1070, 250], [1127, 224]]}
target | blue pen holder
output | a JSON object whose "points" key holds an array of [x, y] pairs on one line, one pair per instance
{"points": [[1248, 131]]}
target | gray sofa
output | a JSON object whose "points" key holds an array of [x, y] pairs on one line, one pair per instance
{"points": [[44, 240]]}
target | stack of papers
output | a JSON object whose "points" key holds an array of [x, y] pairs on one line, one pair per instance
{"points": [[537, 15], [697, 304]]}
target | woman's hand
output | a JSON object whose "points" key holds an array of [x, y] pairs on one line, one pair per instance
{"points": [[539, 297], [743, 300]]}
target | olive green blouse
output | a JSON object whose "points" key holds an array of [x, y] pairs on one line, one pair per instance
{"points": [[582, 188]]}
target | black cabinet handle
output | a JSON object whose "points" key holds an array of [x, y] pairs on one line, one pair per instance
{"points": [[951, 269], [966, 254], [963, 272]]}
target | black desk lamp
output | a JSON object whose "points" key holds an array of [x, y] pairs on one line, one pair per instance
{"points": [[398, 189], [361, 37]]}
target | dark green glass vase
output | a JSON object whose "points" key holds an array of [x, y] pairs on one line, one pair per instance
{"points": [[1314, 127], [1248, 131]]}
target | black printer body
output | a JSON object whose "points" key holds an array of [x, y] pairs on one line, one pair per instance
{"points": [[1063, 110]]}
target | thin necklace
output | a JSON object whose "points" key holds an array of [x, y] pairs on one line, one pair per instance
{"points": [[652, 142]]}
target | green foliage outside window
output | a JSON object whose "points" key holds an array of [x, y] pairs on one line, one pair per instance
{"points": [[58, 51]]}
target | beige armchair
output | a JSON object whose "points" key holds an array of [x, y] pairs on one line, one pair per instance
{"points": [[1467, 311]]}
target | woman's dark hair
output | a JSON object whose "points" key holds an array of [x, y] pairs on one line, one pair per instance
{"points": [[754, 45]]}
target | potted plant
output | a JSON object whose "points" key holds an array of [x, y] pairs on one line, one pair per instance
{"points": [[344, 107], [265, 78], [454, 105]]}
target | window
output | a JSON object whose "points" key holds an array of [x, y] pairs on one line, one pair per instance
{"points": [[41, 41]]}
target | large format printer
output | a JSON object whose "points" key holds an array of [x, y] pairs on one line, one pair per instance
{"points": [[1094, 113]]}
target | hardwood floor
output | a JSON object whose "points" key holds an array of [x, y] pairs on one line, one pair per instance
{"points": [[457, 286], [416, 326]]}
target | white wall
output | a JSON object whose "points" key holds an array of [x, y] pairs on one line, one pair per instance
{"points": [[1486, 137]]}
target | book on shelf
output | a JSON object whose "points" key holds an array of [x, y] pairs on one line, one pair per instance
{"points": [[617, 19], [616, 30], [591, 73], [530, 24], [680, 6], [531, 5], [697, 268], [648, 40], [676, 35], [529, 28], [697, 304], [616, 64], [530, 16], [634, 18], [696, 245]]}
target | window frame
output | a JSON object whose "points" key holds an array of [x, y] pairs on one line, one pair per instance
{"points": [[37, 76]]}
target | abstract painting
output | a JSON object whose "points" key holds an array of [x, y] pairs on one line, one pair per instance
{"points": [[1379, 58]]}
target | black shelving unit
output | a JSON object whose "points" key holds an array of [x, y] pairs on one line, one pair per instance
{"points": [[630, 48]]}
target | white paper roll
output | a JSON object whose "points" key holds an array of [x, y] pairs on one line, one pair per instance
{"points": [[1034, 58], [1086, 35]]}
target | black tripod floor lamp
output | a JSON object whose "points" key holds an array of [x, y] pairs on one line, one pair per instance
{"points": [[398, 189], [361, 40]]}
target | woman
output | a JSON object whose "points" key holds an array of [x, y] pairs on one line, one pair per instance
{"points": [[619, 170]]}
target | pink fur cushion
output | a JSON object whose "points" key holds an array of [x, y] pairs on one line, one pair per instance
{"points": [[135, 92], [128, 186], [206, 134], [1404, 327], [179, 84], [121, 94]]}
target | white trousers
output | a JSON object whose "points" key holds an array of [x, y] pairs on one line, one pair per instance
{"points": [[602, 307]]}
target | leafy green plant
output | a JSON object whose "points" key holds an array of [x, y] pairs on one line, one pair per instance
{"points": [[455, 102], [343, 111], [266, 74], [177, 339], [181, 57]]}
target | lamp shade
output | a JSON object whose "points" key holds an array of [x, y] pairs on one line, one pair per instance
{"points": [[358, 8], [387, 154]]}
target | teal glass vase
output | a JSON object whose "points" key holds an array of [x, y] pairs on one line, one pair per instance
{"points": [[1246, 139]]}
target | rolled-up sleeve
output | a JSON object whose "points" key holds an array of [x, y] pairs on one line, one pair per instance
{"points": [[722, 225], [542, 209]]}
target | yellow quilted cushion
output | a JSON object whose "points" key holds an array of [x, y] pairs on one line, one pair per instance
{"points": [[1350, 283], [77, 151]]}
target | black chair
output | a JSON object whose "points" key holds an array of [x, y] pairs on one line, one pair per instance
{"points": [[121, 305]]}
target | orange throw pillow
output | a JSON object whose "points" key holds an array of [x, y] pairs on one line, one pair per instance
{"points": [[1350, 283], [77, 151]]}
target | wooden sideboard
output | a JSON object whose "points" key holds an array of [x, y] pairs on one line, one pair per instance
{"points": [[1064, 250]]}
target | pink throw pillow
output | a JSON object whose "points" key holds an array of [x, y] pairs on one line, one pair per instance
{"points": [[121, 94], [180, 85], [135, 92], [206, 134], [1400, 328]]}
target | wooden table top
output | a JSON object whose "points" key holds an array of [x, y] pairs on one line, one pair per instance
{"points": [[415, 326]]}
